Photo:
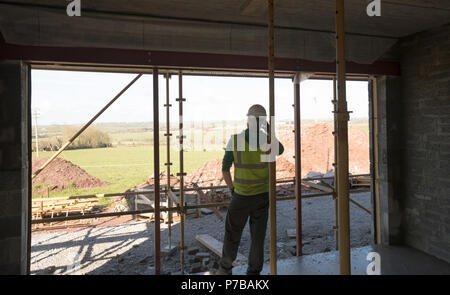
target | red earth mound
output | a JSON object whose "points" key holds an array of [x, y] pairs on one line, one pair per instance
{"points": [[317, 155], [211, 174], [162, 180], [318, 149], [62, 174]]}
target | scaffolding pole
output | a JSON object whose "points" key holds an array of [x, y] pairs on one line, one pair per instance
{"points": [[336, 236], [156, 194], [84, 127], [298, 162], [272, 164], [181, 174], [375, 171], [168, 163], [342, 147]]}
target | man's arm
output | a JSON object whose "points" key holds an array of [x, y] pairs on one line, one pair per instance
{"points": [[228, 180], [226, 164]]}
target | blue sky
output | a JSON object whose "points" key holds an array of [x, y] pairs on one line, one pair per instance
{"points": [[64, 97]]}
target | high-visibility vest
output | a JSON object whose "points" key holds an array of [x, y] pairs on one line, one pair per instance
{"points": [[251, 176]]}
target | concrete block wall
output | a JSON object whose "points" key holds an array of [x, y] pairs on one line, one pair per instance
{"points": [[14, 130], [390, 130], [425, 123]]}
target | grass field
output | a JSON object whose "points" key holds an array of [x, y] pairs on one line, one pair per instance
{"points": [[125, 167]]}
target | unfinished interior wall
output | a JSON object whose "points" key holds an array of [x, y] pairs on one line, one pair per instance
{"points": [[14, 151], [414, 145], [425, 64], [389, 158]]}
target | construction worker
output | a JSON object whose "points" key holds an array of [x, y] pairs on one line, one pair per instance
{"points": [[248, 152]]}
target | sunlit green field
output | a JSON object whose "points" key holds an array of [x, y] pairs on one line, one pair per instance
{"points": [[125, 167]]}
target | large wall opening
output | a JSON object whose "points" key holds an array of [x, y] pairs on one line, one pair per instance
{"points": [[115, 155]]}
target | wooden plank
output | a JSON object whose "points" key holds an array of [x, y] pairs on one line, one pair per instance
{"points": [[216, 247], [291, 233], [58, 210], [173, 197], [47, 203], [361, 181], [318, 186], [71, 199], [76, 205], [361, 206], [46, 208], [207, 200]]}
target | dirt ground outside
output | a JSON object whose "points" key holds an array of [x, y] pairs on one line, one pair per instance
{"points": [[126, 247], [122, 245]]}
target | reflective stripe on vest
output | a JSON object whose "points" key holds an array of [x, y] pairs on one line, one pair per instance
{"points": [[252, 181], [251, 166]]}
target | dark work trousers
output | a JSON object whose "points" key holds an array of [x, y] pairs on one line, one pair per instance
{"points": [[240, 209]]}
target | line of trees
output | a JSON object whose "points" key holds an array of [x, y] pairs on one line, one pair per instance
{"points": [[90, 138]]}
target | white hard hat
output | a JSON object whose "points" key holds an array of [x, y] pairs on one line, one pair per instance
{"points": [[257, 110]]}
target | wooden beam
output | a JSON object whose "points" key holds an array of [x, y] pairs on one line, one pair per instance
{"points": [[113, 57], [173, 197], [207, 200], [318, 186], [361, 206], [342, 145], [216, 247], [376, 175], [85, 126], [272, 164]]}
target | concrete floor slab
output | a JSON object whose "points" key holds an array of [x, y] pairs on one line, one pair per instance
{"points": [[394, 260]]}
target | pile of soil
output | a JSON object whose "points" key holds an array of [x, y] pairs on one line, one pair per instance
{"points": [[209, 174], [317, 155], [285, 169], [61, 174], [358, 149], [162, 180], [318, 149]]}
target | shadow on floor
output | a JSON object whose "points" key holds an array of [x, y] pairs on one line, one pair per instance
{"points": [[394, 260]]}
